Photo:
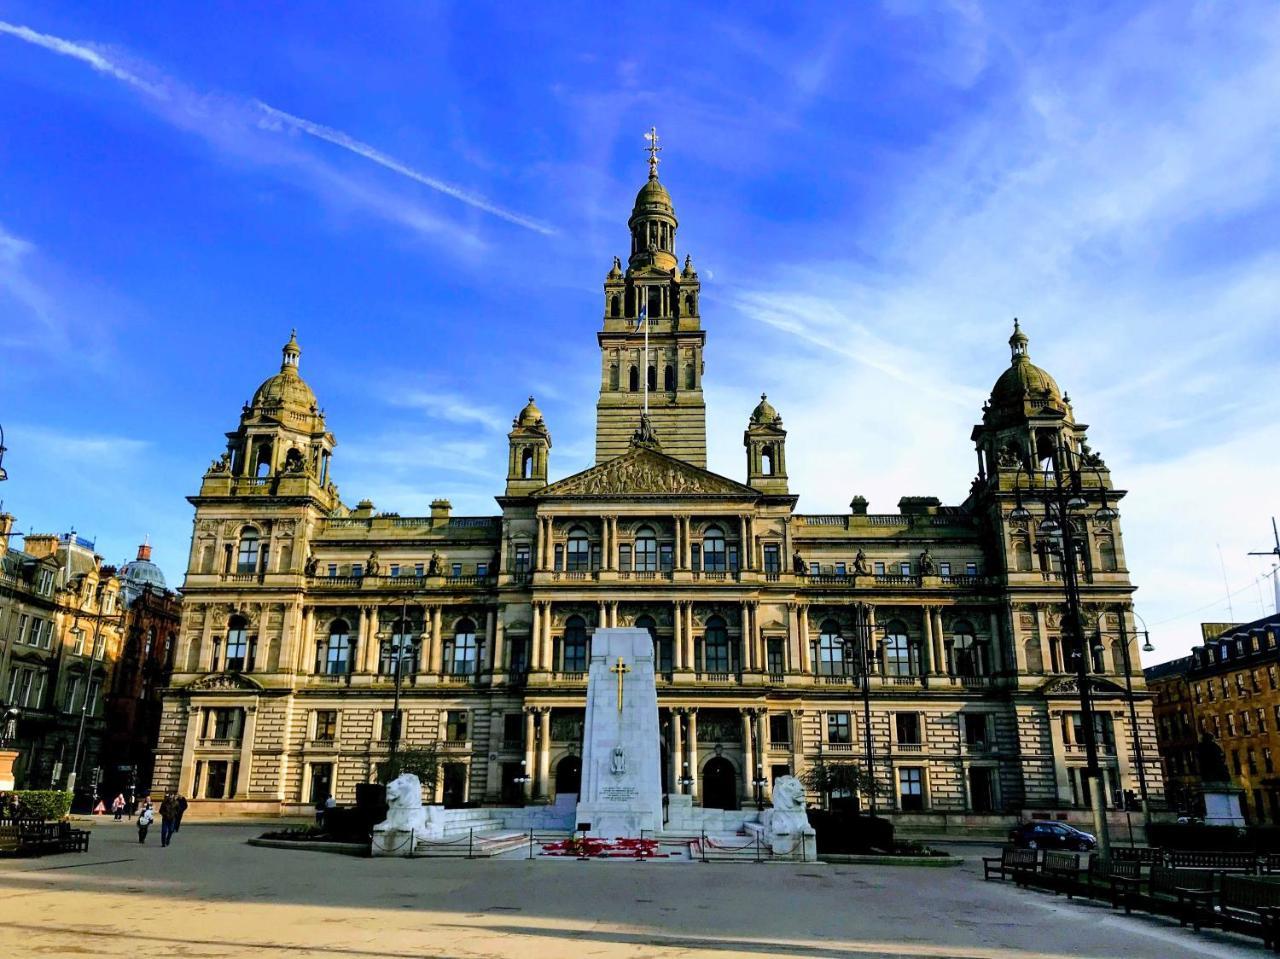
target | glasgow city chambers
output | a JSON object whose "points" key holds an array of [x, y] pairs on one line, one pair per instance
{"points": [[930, 643]]}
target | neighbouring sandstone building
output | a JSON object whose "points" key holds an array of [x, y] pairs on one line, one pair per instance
{"points": [[1229, 690], [297, 608]]}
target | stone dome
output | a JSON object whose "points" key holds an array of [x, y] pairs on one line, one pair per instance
{"points": [[653, 193], [764, 413], [530, 415], [141, 573], [286, 388], [1023, 381]]}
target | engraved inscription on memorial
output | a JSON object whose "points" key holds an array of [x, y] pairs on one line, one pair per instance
{"points": [[618, 793]]}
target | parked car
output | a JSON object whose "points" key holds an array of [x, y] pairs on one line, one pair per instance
{"points": [[1043, 834]]}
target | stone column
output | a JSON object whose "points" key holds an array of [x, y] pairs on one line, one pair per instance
{"points": [[604, 542], [746, 648], [743, 547], [802, 612], [677, 545], [694, 790], [939, 641], [677, 749], [304, 645], [437, 642], [424, 645], [748, 756], [206, 640], [749, 547], [613, 614], [613, 543], [602, 615], [1042, 638], [677, 638], [535, 637], [187, 767], [762, 730], [499, 657], [686, 553], [927, 662], [548, 647], [241, 786], [486, 652], [762, 657], [529, 740], [544, 752], [995, 647], [797, 741]]}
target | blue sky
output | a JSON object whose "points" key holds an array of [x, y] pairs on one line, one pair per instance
{"points": [[432, 193]]}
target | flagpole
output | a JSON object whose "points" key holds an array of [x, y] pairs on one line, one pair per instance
{"points": [[645, 320]]}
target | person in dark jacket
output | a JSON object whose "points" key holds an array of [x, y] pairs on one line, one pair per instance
{"points": [[168, 816], [145, 818], [182, 810]]}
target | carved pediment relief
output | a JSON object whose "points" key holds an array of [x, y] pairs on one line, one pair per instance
{"points": [[218, 682], [643, 472], [1070, 686]]}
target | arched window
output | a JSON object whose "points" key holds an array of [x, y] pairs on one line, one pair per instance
{"points": [[613, 376], [578, 554], [653, 378], [1107, 554], [462, 661], [337, 651], [967, 655], [1021, 553], [647, 623], [713, 551], [237, 649], [150, 644], [401, 648], [262, 459], [247, 555], [766, 461], [690, 376], [669, 378], [831, 652], [900, 654], [646, 551], [689, 304], [575, 645], [655, 301], [633, 380], [526, 463], [716, 646], [615, 306]]}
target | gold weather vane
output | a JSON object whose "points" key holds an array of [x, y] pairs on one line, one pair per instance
{"points": [[621, 669], [654, 150]]}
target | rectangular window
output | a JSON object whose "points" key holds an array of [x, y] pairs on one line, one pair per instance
{"points": [[595, 556], [814, 569], [73, 693], [944, 569], [1271, 676], [771, 562], [666, 557], [387, 723], [1245, 725], [1252, 760], [1262, 720], [326, 729], [733, 559], [841, 569], [975, 729], [971, 569], [879, 569], [482, 570], [624, 557], [1235, 760], [559, 561], [907, 728], [48, 634], [224, 723], [522, 558], [1231, 724], [23, 621], [456, 570], [394, 569], [456, 725], [695, 553], [215, 781], [1268, 764], [779, 729], [839, 728], [777, 653], [904, 569], [333, 569], [77, 642], [99, 647], [419, 570], [513, 730], [357, 570], [911, 788], [95, 692]]}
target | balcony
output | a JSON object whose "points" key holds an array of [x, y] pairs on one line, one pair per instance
{"points": [[719, 677], [839, 747], [218, 742], [456, 745], [909, 747], [569, 677], [458, 679]]}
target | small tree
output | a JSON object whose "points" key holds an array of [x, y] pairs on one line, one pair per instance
{"points": [[825, 778], [422, 760]]}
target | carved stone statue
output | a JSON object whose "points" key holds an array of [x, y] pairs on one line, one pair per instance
{"points": [[372, 566], [797, 564], [222, 464], [617, 265], [433, 565], [618, 761], [311, 565], [9, 731], [644, 434], [860, 565], [294, 462], [1213, 761], [1089, 457], [786, 825], [927, 566], [406, 820], [1007, 457]]}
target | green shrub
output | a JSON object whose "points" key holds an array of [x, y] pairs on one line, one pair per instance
{"points": [[846, 832], [43, 803]]}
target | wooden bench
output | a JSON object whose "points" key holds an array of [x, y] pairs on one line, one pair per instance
{"points": [[9, 840], [1124, 883], [1018, 863], [36, 839], [1145, 856], [1061, 871], [1188, 893], [72, 840], [1251, 904], [1242, 863], [1270, 863]]}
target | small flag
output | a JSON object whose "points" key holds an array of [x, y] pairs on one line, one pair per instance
{"points": [[641, 319]]}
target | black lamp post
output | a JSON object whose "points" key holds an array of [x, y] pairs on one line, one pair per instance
{"points": [[3, 475], [685, 781], [863, 643], [398, 651], [758, 784], [1133, 709], [1060, 488]]}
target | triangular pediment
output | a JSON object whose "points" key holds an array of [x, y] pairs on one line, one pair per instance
{"points": [[645, 472], [219, 682]]}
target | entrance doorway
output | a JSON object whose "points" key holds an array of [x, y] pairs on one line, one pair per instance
{"points": [[568, 775], [719, 784], [455, 785], [321, 782], [982, 796]]}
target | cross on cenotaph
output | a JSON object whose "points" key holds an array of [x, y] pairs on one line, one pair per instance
{"points": [[621, 669]]}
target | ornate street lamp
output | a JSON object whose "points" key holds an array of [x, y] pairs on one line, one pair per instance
{"points": [[758, 784], [1060, 490], [3, 475], [685, 781]]}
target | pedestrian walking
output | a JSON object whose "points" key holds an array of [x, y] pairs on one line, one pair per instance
{"points": [[182, 811], [320, 810], [145, 818], [168, 817], [117, 806]]}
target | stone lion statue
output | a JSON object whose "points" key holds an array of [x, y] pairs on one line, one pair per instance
{"points": [[788, 794], [405, 812]]}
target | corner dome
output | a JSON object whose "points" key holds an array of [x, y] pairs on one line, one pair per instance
{"points": [[764, 414], [1024, 382], [653, 193], [530, 415], [141, 573], [287, 388]]}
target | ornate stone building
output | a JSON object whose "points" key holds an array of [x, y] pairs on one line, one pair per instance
{"points": [[296, 607]]}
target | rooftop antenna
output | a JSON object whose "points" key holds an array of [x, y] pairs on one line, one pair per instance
{"points": [[1231, 613], [1275, 570]]}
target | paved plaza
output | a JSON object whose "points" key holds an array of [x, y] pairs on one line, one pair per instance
{"points": [[211, 895]]}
